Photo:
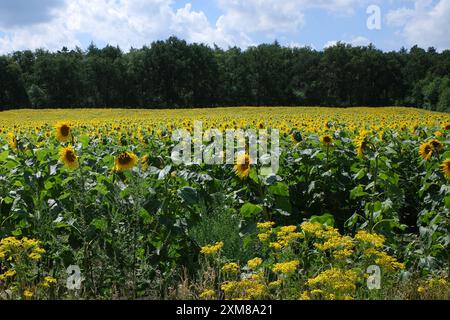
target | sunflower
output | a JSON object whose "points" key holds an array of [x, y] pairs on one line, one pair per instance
{"points": [[68, 157], [436, 145], [361, 147], [242, 166], [12, 140], [125, 160], [447, 126], [63, 132], [326, 139], [145, 162], [445, 167], [426, 151], [296, 136]]}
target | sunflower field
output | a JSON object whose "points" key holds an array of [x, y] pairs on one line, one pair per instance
{"points": [[93, 207]]}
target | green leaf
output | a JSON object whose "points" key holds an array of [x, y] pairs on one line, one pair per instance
{"points": [[146, 217], [361, 174], [249, 210], [189, 195], [8, 200], [357, 192], [254, 175], [352, 221], [447, 201], [84, 139], [102, 189], [48, 184], [100, 224], [325, 219], [41, 154], [4, 155], [279, 189], [17, 232]]}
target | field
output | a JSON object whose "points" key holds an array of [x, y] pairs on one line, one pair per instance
{"points": [[93, 206]]}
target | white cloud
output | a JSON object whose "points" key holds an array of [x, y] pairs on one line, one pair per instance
{"points": [[330, 43], [133, 23], [260, 16], [124, 22], [274, 16], [294, 44], [195, 27], [427, 24], [359, 41], [53, 34], [355, 41]]}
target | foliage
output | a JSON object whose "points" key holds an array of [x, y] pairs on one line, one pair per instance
{"points": [[175, 74], [311, 261], [98, 189]]}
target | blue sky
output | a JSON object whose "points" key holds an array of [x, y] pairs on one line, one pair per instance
{"points": [[51, 24]]}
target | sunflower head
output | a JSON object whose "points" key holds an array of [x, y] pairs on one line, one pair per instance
{"points": [[12, 140], [125, 160], [145, 162], [445, 167], [297, 136], [426, 151], [326, 139], [242, 166], [361, 147], [63, 132], [68, 157], [447, 126], [436, 144]]}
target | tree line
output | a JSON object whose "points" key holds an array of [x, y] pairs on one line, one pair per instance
{"points": [[175, 74]]}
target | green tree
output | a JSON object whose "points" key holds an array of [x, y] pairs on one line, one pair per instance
{"points": [[12, 88], [444, 101]]}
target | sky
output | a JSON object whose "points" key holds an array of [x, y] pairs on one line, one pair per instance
{"points": [[388, 24]]}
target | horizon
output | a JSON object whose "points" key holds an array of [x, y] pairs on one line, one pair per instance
{"points": [[148, 45]]}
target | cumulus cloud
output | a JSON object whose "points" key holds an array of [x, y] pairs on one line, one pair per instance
{"points": [[330, 43], [355, 41], [134, 23], [52, 24], [359, 41], [426, 24], [274, 16], [124, 22]]}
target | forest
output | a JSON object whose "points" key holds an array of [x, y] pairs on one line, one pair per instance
{"points": [[176, 74]]}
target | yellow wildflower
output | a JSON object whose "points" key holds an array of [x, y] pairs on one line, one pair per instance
{"points": [[265, 225], [275, 245], [230, 268], [254, 263], [371, 239], [264, 236], [211, 249], [208, 294], [286, 267], [28, 294]]}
